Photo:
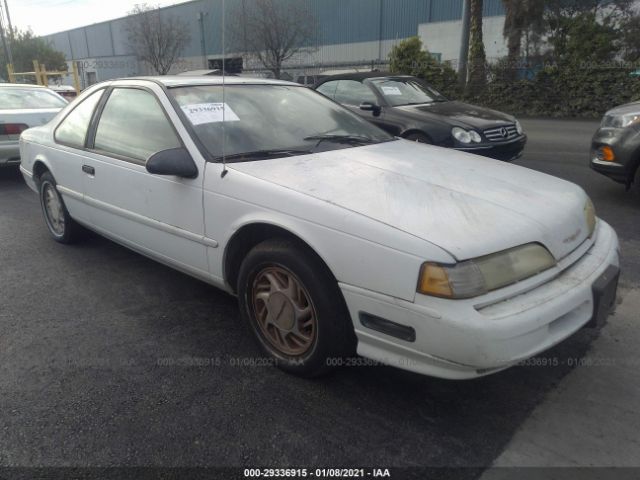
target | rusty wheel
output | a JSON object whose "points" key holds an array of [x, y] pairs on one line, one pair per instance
{"points": [[284, 311], [294, 307]]}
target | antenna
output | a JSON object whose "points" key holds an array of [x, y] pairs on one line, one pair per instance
{"points": [[224, 104]]}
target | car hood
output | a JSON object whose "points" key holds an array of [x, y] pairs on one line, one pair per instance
{"points": [[468, 205], [632, 107], [459, 114]]}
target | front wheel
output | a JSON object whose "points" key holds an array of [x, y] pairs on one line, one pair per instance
{"points": [[635, 186], [61, 226], [294, 307]]}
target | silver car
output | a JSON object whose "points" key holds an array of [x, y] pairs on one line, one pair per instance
{"points": [[22, 107]]}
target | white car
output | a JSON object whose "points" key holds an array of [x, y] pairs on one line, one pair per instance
{"points": [[21, 107], [335, 236]]}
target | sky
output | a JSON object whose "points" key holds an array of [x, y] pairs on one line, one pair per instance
{"points": [[50, 16]]}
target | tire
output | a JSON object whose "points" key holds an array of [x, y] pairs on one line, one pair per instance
{"points": [[635, 186], [61, 226], [279, 275], [418, 137]]}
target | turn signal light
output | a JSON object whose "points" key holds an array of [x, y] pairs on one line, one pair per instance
{"points": [[606, 154], [434, 281]]}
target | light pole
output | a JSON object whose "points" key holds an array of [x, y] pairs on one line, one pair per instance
{"points": [[5, 44], [6, 11], [203, 44]]}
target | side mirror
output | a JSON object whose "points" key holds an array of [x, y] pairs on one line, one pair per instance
{"points": [[175, 161], [370, 107]]}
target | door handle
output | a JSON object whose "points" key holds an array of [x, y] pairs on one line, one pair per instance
{"points": [[88, 169]]}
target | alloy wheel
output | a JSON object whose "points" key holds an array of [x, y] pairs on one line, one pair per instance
{"points": [[53, 209], [284, 311]]}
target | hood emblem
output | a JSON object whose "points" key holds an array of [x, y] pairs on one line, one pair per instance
{"points": [[504, 133], [571, 238]]}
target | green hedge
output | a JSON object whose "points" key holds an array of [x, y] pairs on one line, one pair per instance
{"points": [[581, 91]]}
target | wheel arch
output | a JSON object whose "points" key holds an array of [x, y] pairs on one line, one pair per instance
{"points": [[39, 168], [412, 131], [634, 172], [248, 236]]}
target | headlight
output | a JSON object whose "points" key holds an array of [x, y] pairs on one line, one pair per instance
{"points": [[465, 136], [621, 121], [590, 216], [476, 277], [519, 128]]}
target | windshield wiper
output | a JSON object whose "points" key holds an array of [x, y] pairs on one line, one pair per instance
{"points": [[351, 139], [434, 100], [263, 154]]}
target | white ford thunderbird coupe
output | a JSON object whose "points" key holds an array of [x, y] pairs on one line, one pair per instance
{"points": [[336, 237]]}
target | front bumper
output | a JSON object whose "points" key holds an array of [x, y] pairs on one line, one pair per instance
{"points": [[9, 153], [28, 178], [625, 143], [505, 151], [614, 170], [461, 339]]}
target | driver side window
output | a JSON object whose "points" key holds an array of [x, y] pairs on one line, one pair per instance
{"points": [[73, 129], [133, 125], [328, 89], [352, 92]]}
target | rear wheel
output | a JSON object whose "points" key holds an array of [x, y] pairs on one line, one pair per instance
{"points": [[418, 137], [61, 226], [294, 307]]}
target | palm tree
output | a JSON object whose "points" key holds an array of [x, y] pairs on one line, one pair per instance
{"points": [[477, 55], [513, 27], [523, 19]]}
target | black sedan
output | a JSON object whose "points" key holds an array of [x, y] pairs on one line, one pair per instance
{"points": [[615, 148], [407, 107]]}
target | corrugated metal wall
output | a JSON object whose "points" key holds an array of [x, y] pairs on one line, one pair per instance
{"points": [[340, 22]]}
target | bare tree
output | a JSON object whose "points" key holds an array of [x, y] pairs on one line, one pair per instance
{"points": [[156, 37], [273, 31]]}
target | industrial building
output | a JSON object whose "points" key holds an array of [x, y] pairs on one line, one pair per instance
{"points": [[351, 34]]}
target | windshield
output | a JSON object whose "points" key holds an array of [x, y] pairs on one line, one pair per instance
{"points": [[278, 120], [29, 99], [409, 91]]}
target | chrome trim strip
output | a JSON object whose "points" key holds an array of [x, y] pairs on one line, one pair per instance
{"points": [[150, 222], [604, 162], [70, 193]]}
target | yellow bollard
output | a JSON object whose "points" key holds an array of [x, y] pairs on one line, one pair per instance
{"points": [[11, 73], [43, 75], [76, 79], [36, 71]]}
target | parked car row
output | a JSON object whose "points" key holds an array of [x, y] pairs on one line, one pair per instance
{"points": [[335, 235]]}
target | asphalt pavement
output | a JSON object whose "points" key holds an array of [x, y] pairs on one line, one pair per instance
{"points": [[110, 359]]}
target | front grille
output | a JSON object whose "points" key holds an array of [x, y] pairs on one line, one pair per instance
{"points": [[500, 134]]}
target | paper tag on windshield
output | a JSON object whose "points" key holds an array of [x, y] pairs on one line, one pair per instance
{"points": [[391, 91], [200, 113]]}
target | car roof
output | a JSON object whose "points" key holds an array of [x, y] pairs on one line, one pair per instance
{"points": [[185, 80], [20, 85], [359, 76]]}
